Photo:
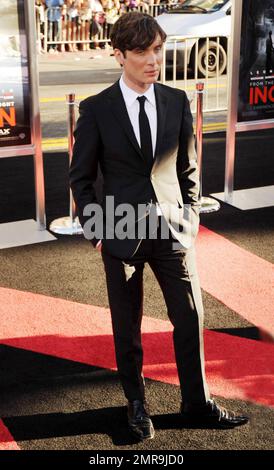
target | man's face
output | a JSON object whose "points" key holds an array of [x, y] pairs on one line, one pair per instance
{"points": [[142, 67]]}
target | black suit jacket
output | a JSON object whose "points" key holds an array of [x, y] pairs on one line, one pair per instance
{"points": [[104, 137]]}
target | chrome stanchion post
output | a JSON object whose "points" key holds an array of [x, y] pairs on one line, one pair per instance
{"points": [[208, 204], [71, 126], [69, 225], [199, 128]]}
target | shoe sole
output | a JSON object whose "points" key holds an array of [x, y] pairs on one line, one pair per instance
{"points": [[141, 438], [200, 425]]}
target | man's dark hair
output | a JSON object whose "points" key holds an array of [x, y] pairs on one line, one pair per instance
{"points": [[135, 30]]}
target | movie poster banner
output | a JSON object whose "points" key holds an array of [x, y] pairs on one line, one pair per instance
{"points": [[256, 75], [15, 94]]}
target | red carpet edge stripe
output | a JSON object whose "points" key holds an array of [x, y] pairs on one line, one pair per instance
{"points": [[239, 279], [6, 440]]}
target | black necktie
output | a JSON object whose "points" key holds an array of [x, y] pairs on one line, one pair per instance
{"points": [[145, 132]]}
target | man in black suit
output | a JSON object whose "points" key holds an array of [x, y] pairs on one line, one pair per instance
{"points": [[140, 134]]}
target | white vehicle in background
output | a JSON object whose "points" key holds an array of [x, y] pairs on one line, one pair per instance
{"points": [[197, 20]]}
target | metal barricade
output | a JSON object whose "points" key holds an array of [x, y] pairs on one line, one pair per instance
{"points": [[186, 59], [68, 31], [72, 32], [152, 9]]}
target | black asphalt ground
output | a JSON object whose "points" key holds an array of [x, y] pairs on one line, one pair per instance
{"points": [[48, 403]]}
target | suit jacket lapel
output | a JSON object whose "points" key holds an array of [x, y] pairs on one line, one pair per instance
{"points": [[118, 107]]}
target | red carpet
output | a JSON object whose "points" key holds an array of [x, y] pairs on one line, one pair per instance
{"points": [[236, 367]]}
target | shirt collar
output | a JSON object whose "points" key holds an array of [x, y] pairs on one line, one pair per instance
{"points": [[130, 95]]}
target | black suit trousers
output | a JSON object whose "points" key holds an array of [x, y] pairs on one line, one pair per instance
{"points": [[175, 271]]}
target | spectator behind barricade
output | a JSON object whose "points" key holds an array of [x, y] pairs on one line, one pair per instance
{"points": [[64, 29], [139, 5], [40, 22], [132, 5], [144, 7], [98, 21], [85, 14], [54, 23], [162, 6], [111, 8], [73, 7]]}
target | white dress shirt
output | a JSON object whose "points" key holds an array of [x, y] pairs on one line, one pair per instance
{"points": [[133, 106]]}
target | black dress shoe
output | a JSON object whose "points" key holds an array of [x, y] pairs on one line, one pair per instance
{"points": [[211, 415], [139, 422]]}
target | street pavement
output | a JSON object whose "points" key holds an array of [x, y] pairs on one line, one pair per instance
{"points": [[88, 73]]}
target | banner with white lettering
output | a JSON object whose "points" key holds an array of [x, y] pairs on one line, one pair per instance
{"points": [[15, 124], [256, 84]]}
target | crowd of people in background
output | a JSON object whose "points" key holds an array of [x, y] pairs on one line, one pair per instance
{"points": [[72, 25]]}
